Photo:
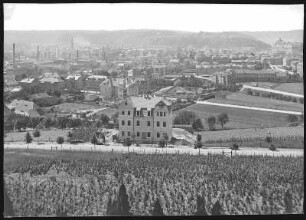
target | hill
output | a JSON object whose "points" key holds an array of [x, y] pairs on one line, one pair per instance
{"points": [[136, 38], [272, 36]]}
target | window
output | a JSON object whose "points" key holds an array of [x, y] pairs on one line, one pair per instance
{"points": [[148, 123], [138, 113], [129, 134], [165, 114], [129, 123], [122, 122], [129, 113], [138, 123], [164, 124], [122, 113], [158, 135], [122, 133], [157, 113], [149, 113], [157, 124], [148, 134], [138, 134]]}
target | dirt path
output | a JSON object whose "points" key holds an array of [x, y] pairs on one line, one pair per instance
{"points": [[151, 149]]}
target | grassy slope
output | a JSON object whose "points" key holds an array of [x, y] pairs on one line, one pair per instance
{"points": [[239, 118], [255, 101], [291, 87]]}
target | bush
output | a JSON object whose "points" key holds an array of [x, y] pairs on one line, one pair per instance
{"points": [[36, 133], [272, 147], [235, 146], [60, 140]]}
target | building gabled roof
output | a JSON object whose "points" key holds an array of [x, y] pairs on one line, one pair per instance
{"points": [[148, 103]]}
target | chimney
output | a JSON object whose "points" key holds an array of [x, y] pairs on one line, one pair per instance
{"points": [[77, 55], [14, 64]]}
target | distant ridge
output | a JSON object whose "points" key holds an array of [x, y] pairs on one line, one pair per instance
{"points": [[272, 36], [150, 38]]}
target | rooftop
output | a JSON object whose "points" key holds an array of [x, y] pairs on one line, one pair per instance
{"points": [[148, 103]]}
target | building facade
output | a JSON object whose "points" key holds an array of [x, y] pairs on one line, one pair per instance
{"points": [[146, 120]]}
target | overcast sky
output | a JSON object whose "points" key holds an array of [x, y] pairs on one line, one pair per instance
{"points": [[185, 17]]}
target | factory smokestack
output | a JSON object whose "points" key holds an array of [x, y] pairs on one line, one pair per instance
{"points": [[37, 54], [14, 64]]}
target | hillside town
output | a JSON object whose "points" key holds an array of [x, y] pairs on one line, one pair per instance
{"points": [[74, 81]]}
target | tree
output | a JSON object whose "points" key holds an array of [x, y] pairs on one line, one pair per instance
{"points": [[197, 124], [201, 210], [123, 205], [166, 138], [198, 144], [288, 202], [36, 133], [94, 140], [104, 119], [211, 121], [217, 209], [60, 140], [133, 138], [223, 119], [69, 135], [158, 210], [292, 119], [28, 138], [185, 118], [115, 117], [161, 143], [48, 123]]}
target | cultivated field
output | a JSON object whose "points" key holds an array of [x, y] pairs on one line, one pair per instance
{"points": [[291, 87], [239, 118], [276, 132], [83, 184], [240, 98]]}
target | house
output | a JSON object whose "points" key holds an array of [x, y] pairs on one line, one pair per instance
{"points": [[118, 88], [175, 92], [145, 119], [27, 82], [93, 82], [74, 81], [52, 81], [23, 107]]}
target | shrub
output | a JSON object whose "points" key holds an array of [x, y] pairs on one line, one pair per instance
{"points": [[272, 147], [36, 133], [235, 146]]}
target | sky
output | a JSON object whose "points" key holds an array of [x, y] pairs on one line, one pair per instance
{"points": [[182, 17]]}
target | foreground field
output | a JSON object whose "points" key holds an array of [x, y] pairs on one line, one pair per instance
{"points": [[240, 118], [84, 185], [240, 98]]}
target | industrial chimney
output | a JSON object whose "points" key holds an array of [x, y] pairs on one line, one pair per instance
{"points": [[37, 54], [14, 64]]}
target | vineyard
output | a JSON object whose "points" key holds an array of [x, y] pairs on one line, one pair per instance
{"points": [[84, 186]]}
